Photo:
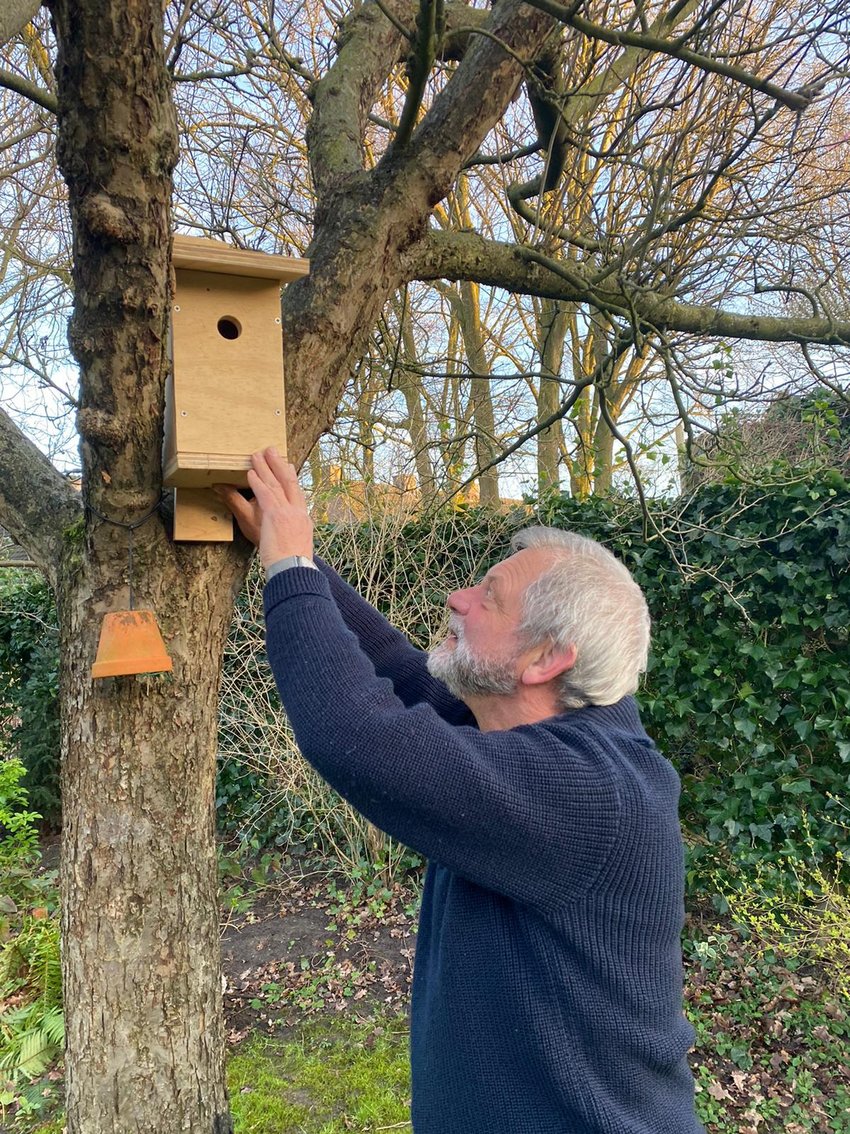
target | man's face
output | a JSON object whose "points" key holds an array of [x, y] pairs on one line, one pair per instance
{"points": [[482, 654]]}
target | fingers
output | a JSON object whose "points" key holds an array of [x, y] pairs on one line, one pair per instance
{"points": [[277, 519], [276, 474], [244, 511], [283, 470]]}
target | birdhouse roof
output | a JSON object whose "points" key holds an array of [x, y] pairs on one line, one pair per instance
{"points": [[203, 255]]}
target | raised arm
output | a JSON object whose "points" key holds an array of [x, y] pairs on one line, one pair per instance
{"points": [[391, 653], [387, 648], [519, 812]]}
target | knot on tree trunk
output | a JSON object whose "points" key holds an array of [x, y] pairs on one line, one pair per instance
{"points": [[103, 217], [100, 427]]}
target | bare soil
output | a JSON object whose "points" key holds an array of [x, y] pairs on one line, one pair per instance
{"points": [[302, 946]]}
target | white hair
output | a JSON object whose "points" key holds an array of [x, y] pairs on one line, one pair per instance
{"points": [[588, 598]]}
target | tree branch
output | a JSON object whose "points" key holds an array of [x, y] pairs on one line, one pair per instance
{"points": [[455, 125], [14, 17], [28, 89], [516, 268], [794, 100], [429, 31], [36, 502], [370, 43]]}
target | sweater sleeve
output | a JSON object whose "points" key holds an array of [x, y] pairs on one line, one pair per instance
{"points": [[520, 812], [390, 652]]}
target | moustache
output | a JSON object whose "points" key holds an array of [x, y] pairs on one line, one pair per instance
{"points": [[453, 627]]}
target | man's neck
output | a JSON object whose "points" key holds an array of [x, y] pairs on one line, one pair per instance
{"points": [[495, 713]]}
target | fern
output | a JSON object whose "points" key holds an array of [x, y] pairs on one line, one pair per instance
{"points": [[32, 1039], [32, 1031]]}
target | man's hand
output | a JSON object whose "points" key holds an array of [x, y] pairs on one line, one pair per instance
{"points": [[277, 518]]}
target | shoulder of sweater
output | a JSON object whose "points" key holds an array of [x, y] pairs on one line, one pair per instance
{"points": [[612, 732], [619, 722]]}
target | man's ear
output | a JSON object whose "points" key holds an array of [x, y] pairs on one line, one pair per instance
{"points": [[548, 663]]}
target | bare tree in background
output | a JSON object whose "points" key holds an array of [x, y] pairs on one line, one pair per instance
{"points": [[713, 119]]}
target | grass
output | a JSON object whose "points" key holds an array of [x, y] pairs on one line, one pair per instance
{"points": [[331, 1077], [771, 1055]]}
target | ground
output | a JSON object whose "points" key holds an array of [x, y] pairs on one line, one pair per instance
{"points": [[318, 969], [305, 942], [771, 1034]]}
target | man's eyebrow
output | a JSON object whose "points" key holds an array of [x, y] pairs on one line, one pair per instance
{"points": [[491, 579]]}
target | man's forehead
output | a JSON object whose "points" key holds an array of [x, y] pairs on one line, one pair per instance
{"points": [[523, 565]]}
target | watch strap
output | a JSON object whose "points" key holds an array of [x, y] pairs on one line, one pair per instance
{"points": [[288, 563]]}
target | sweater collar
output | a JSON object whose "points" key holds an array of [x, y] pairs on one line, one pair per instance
{"points": [[622, 715]]}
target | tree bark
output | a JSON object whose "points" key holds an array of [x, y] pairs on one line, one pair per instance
{"points": [[144, 1024], [141, 959], [15, 16]]}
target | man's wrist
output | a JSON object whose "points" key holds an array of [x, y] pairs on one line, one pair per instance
{"points": [[287, 563]]}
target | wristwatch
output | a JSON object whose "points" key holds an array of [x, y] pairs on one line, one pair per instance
{"points": [[287, 563]]}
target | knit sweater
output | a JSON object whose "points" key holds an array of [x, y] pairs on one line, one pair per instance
{"points": [[547, 989]]}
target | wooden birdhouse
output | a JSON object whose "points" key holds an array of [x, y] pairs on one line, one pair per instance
{"points": [[225, 396]]}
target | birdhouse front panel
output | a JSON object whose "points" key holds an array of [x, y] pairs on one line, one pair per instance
{"points": [[226, 398]]}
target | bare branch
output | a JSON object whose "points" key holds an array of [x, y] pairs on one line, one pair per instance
{"points": [[517, 268], [28, 89], [794, 100]]}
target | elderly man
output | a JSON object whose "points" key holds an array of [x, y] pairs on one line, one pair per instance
{"points": [[547, 989]]}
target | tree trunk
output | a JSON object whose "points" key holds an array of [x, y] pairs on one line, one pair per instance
{"points": [[144, 1021], [141, 960], [483, 418], [553, 323], [409, 382], [603, 456]]}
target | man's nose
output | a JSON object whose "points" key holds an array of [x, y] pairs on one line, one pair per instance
{"points": [[458, 601]]}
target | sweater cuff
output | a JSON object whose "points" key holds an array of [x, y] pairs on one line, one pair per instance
{"points": [[292, 583]]}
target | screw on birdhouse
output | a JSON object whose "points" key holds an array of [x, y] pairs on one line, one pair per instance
{"points": [[176, 306]]}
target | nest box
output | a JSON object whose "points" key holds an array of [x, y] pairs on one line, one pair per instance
{"points": [[225, 395]]}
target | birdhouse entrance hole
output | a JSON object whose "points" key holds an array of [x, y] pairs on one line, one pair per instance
{"points": [[229, 327]]}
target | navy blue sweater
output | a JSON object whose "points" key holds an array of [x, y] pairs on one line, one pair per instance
{"points": [[547, 989]]}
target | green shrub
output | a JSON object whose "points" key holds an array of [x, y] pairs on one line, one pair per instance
{"points": [[19, 851], [799, 911], [29, 683], [748, 690], [31, 1020]]}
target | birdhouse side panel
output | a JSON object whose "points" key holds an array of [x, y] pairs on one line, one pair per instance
{"points": [[227, 374]]}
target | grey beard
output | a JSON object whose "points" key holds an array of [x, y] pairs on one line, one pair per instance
{"points": [[467, 676]]}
